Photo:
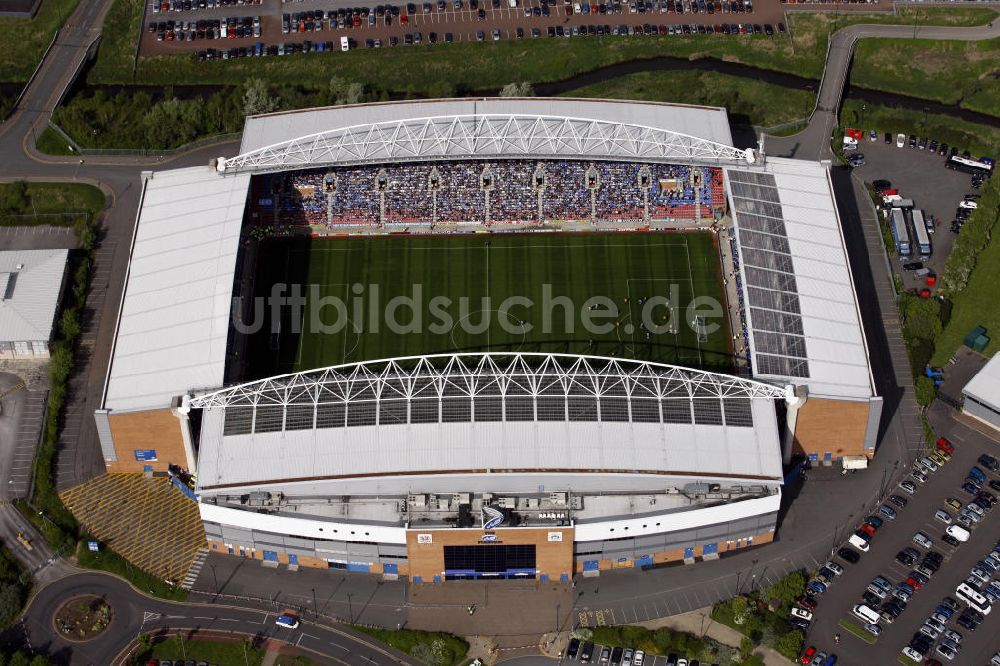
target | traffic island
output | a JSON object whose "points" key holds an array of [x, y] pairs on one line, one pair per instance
{"points": [[83, 618]]}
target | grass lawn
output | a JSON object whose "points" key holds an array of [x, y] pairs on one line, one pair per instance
{"points": [[477, 278], [847, 625], [47, 198], [50, 143], [978, 139], [963, 73], [976, 305], [23, 42], [470, 66], [749, 102], [214, 652], [108, 560], [428, 647]]}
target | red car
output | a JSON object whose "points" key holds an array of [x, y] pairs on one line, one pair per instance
{"points": [[806, 602], [945, 445], [808, 655], [913, 582], [868, 529]]}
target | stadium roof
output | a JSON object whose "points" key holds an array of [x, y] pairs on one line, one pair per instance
{"points": [[173, 324], [985, 385], [705, 122], [470, 130], [802, 310], [30, 284], [466, 413]]}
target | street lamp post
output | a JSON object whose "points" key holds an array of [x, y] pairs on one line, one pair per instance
{"points": [[215, 578], [315, 605]]}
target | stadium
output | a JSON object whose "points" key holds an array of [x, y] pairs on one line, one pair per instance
{"points": [[490, 338]]}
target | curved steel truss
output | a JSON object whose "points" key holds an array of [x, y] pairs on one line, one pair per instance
{"points": [[487, 376], [484, 136]]}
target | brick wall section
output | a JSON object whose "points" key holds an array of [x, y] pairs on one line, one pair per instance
{"points": [[551, 557], [155, 429], [837, 426]]}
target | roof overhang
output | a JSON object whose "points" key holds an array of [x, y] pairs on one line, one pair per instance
{"points": [[484, 136]]}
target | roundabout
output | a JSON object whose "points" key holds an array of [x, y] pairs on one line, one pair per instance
{"points": [[83, 618]]}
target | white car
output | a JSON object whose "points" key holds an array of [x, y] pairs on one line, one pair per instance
{"points": [[958, 532], [908, 651], [638, 657], [971, 205], [908, 486], [900, 142], [943, 516], [834, 567], [801, 614]]}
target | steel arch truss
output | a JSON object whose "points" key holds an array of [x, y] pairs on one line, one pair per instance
{"points": [[484, 136], [489, 375]]}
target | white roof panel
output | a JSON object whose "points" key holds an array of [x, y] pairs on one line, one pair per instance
{"points": [[436, 448], [31, 284], [985, 385], [835, 345], [174, 321], [704, 122]]}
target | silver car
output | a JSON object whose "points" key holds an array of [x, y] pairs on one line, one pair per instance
{"points": [[943, 516]]}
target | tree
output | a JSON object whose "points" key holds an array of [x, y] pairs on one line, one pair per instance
{"points": [[789, 588], [522, 89], [10, 601], [926, 391], [257, 98], [741, 610], [342, 91], [14, 198], [790, 644]]}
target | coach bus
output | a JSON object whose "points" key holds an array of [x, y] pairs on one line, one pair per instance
{"points": [[897, 223], [920, 234], [968, 165]]}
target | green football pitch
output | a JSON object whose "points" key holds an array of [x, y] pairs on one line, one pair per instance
{"points": [[642, 296]]}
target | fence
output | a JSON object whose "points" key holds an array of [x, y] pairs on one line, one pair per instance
{"points": [[144, 152], [35, 219]]}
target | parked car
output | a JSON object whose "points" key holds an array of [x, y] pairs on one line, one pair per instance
{"points": [[849, 555]]}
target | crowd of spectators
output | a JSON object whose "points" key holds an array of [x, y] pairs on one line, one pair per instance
{"points": [[496, 191]]}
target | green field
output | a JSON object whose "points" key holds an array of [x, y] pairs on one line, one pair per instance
{"points": [[557, 273]]}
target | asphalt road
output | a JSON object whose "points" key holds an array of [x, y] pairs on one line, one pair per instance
{"points": [[978, 646], [133, 613], [804, 537], [814, 141]]}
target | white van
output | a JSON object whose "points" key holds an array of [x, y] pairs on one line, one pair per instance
{"points": [[859, 543], [958, 532], [345, 44], [866, 613], [969, 595]]}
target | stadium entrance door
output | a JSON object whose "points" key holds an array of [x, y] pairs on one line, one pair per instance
{"points": [[489, 561]]}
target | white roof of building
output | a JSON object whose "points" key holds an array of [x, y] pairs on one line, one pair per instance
{"points": [[472, 412], [801, 306], [174, 320], [705, 122], [30, 284], [985, 385]]}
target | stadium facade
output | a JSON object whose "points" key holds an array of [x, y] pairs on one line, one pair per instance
{"points": [[508, 464]]}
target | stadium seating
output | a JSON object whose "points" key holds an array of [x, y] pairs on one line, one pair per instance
{"points": [[491, 192]]}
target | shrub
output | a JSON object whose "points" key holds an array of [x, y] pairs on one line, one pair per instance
{"points": [[790, 644]]}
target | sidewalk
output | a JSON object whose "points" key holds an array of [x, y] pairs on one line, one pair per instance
{"points": [[700, 623]]}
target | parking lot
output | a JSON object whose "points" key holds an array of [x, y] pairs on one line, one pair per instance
{"points": [[447, 20], [836, 604], [921, 176]]}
